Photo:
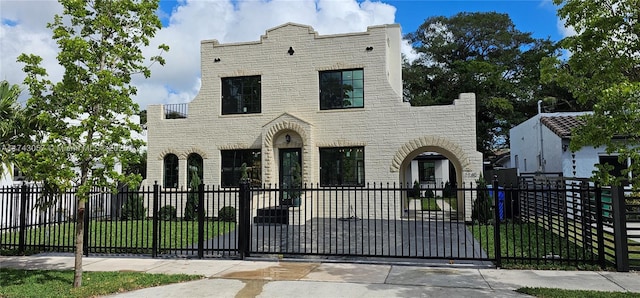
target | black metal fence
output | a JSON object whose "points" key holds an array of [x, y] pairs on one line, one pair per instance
{"points": [[151, 221], [549, 221]]}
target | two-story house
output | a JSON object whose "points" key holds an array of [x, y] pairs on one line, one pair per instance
{"points": [[329, 107]]}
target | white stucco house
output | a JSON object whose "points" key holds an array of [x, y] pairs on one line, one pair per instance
{"points": [[10, 200], [541, 144], [328, 106]]}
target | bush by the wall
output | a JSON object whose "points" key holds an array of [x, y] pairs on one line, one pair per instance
{"points": [[191, 208], [133, 208], [429, 193], [481, 212], [168, 212], [227, 213], [447, 192]]}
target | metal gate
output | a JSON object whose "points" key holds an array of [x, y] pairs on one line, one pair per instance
{"points": [[376, 221]]}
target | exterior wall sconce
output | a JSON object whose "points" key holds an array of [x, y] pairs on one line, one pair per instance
{"points": [[287, 139], [291, 51], [216, 60], [565, 147], [369, 49]]}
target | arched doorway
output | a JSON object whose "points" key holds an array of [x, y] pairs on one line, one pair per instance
{"points": [[467, 164]]}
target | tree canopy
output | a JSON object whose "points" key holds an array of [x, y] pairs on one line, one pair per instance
{"points": [[603, 70], [10, 123], [84, 121], [482, 53]]}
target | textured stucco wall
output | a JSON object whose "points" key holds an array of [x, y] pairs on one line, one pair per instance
{"points": [[391, 131]]}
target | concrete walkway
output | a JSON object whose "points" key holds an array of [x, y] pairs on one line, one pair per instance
{"points": [[235, 278]]}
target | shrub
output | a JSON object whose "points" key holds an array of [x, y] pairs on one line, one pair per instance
{"points": [[227, 213], [429, 193], [481, 212], [447, 192], [168, 212], [133, 208], [414, 192], [191, 208]]}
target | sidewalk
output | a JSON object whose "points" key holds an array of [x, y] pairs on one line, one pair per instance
{"points": [[235, 278]]}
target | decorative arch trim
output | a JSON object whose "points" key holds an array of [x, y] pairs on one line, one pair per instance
{"points": [[196, 150], [268, 142], [164, 153], [282, 126], [429, 141]]}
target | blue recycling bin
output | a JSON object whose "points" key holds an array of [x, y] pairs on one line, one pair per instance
{"points": [[500, 199]]}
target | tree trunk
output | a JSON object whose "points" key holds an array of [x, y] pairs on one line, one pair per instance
{"points": [[77, 277]]}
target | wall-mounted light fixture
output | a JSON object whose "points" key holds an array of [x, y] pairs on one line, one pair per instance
{"points": [[369, 49], [565, 147], [291, 51], [287, 138], [216, 60]]}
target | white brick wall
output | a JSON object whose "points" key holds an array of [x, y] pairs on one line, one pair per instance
{"points": [[391, 131]]}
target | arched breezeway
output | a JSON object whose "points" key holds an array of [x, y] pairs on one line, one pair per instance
{"points": [[467, 165]]}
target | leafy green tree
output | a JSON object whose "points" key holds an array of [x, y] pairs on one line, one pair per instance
{"points": [[603, 70], [10, 122], [85, 127], [482, 53]]}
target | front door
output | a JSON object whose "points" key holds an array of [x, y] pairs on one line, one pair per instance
{"points": [[290, 176]]}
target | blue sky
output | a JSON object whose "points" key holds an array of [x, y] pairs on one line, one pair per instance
{"points": [[187, 22], [535, 16]]}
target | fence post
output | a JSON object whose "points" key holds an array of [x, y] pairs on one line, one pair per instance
{"points": [[23, 217], [87, 212], [599, 224], [201, 209], [244, 219], [496, 220], [620, 228], [154, 236]]}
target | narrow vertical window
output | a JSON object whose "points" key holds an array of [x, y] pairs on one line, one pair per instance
{"points": [[194, 166], [171, 171]]}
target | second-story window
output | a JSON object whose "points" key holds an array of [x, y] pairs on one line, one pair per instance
{"points": [[341, 89], [241, 95]]}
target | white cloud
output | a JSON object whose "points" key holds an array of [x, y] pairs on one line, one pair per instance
{"points": [[565, 30], [24, 31], [409, 52]]}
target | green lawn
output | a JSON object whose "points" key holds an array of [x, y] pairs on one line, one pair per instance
{"points": [[453, 202], [528, 240], [429, 204], [55, 283], [132, 236]]}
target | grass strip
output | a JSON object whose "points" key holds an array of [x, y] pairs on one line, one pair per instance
{"points": [[59, 283]]}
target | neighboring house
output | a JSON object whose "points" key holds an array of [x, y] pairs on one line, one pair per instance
{"points": [[108, 205], [541, 144], [13, 176], [328, 106]]}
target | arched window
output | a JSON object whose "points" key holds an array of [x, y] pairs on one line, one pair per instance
{"points": [[194, 165], [171, 171]]}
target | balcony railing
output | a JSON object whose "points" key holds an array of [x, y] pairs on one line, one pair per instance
{"points": [[176, 111]]}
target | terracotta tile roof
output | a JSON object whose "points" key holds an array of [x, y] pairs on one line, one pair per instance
{"points": [[562, 125]]}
